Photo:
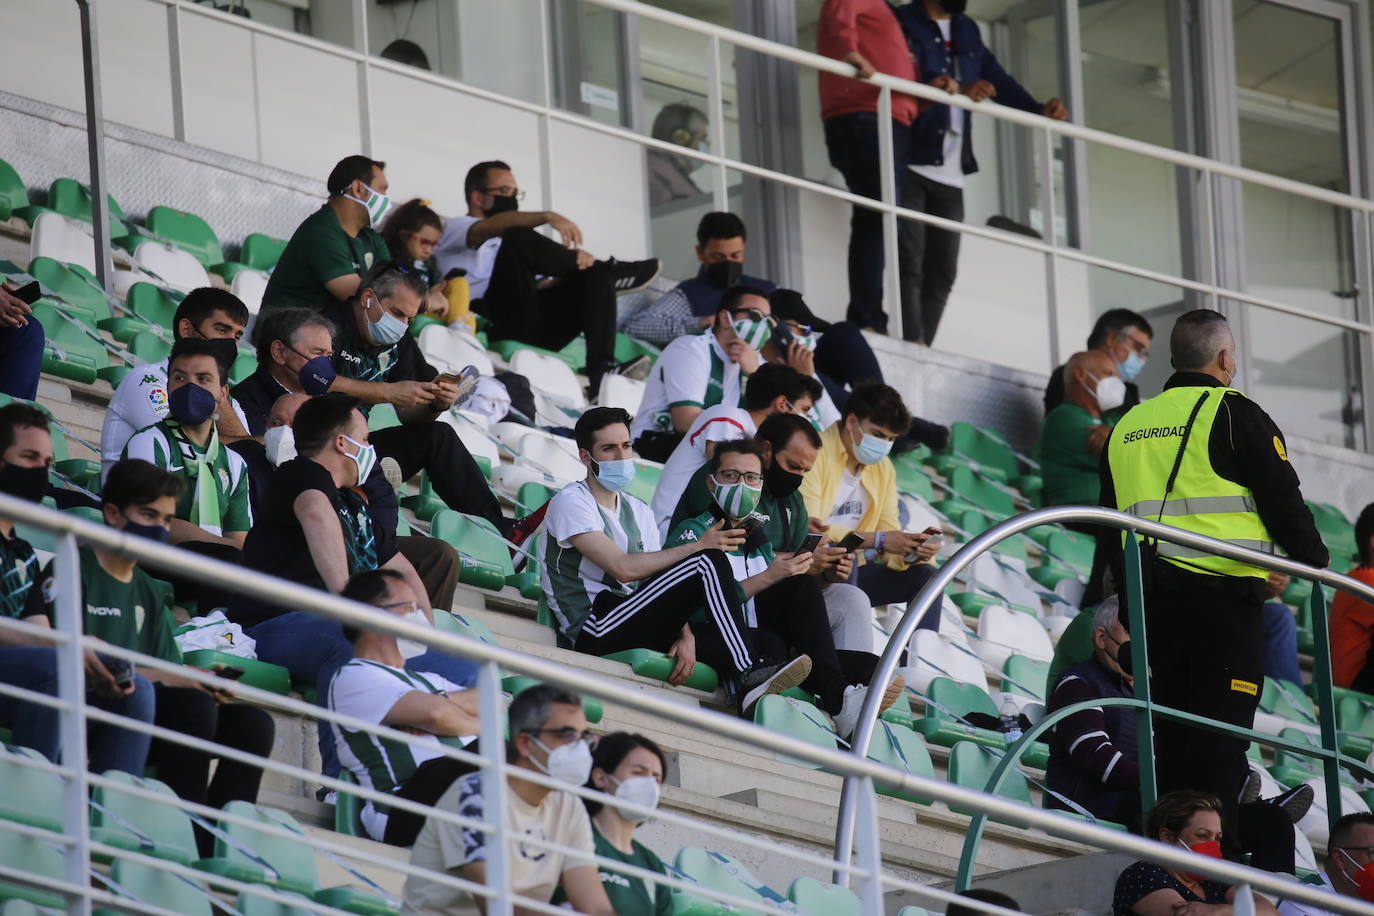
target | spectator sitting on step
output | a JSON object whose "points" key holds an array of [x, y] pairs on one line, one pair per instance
{"points": [[1074, 432], [629, 767], [1191, 820], [29, 661], [208, 313], [376, 687], [1124, 336], [771, 390], [1280, 633], [533, 289], [21, 346], [411, 232], [214, 511], [610, 587], [127, 607], [1352, 620], [376, 360], [782, 606], [852, 491], [334, 248], [1349, 854], [699, 371], [549, 736]]}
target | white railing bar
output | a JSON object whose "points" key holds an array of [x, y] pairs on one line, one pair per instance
{"points": [[39, 699]]}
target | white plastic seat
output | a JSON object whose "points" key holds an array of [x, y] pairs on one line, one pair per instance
{"points": [[1055, 626], [540, 459], [177, 268], [472, 433], [1005, 577], [509, 433], [930, 656], [549, 376], [1003, 632], [62, 239], [249, 285], [449, 350], [1304, 858], [1314, 823], [622, 392], [918, 515]]}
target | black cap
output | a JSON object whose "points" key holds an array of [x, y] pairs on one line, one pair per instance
{"points": [[788, 305]]}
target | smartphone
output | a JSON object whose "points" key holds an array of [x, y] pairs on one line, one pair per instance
{"points": [[30, 292], [231, 673], [448, 377], [121, 669], [850, 541], [810, 543], [748, 525]]}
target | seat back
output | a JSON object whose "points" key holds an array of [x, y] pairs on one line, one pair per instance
{"points": [[13, 194], [178, 269], [31, 796], [983, 447], [718, 872], [1073, 549], [449, 350], [250, 904], [72, 199], [818, 899], [790, 716], [71, 287], [622, 392], [152, 303], [1026, 676], [971, 766], [62, 239], [930, 658], [959, 699], [1005, 632], [167, 826], [898, 746], [261, 252], [471, 430], [485, 557], [549, 375], [158, 887], [294, 861], [546, 454], [188, 232], [147, 347], [981, 493], [249, 285]]}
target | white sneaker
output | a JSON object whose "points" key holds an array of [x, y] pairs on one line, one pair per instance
{"points": [[847, 719]]}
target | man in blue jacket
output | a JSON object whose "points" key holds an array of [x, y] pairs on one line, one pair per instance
{"points": [[950, 55]]}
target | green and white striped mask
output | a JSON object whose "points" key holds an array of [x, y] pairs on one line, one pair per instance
{"points": [[754, 333], [737, 500]]}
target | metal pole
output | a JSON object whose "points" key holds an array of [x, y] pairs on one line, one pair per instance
{"points": [[1209, 236], [887, 184], [1050, 213], [1140, 667], [715, 100], [364, 77], [546, 91], [95, 146], [494, 788], [71, 689], [174, 60], [1326, 701], [870, 851]]}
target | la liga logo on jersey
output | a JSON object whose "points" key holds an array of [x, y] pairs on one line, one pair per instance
{"points": [[157, 397]]}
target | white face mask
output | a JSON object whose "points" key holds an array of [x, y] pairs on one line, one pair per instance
{"points": [[280, 443], [410, 648], [568, 763], [1110, 391], [638, 790]]}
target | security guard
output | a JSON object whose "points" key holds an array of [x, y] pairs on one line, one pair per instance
{"points": [[1203, 457]]}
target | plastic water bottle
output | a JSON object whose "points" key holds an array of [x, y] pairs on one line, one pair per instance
{"points": [[1011, 722]]}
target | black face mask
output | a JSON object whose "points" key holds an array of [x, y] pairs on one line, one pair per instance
{"points": [[781, 483], [953, 7], [1123, 657], [502, 203], [722, 274], [29, 484]]}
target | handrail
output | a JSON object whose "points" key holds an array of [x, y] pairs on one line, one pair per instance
{"points": [[239, 580], [969, 552]]}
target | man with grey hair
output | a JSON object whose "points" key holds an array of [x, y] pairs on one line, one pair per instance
{"points": [[549, 736], [1203, 457]]}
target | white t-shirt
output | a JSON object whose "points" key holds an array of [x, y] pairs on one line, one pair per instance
{"points": [[851, 501], [691, 371], [571, 581], [716, 424], [534, 870], [453, 251], [367, 690], [139, 401], [1293, 908], [951, 171]]}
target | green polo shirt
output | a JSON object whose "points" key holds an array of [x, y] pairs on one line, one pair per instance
{"points": [[132, 615], [319, 251], [1067, 467], [784, 521], [630, 895]]}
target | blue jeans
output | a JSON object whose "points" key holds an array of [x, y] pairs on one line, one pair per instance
{"points": [[313, 649], [21, 359], [39, 727], [1280, 643]]}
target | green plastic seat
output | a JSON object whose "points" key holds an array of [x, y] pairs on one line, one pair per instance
{"points": [[32, 797], [485, 558], [1031, 486], [532, 495], [69, 352], [980, 449], [1355, 719], [940, 727], [981, 493], [900, 712], [506, 349], [259, 252], [971, 766], [815, 898], [592, 708], [472, 626], [245, 364], [902, 748], [645, 482], [657, 666], [1051, 572], [24, 908], [1074, 550], [154, 307], [75, 286], [425, 503], [722, 874], [1026, 676], [790, 716], [158, 887], [1290, 768], [147, 347], [188, 232], [627, 348], [250, 904], [1288, 701], [133, 823], [71, 198], [259, 674], [382, 416], [912, 478], [975, 523], [13, 195], [348, 808]]}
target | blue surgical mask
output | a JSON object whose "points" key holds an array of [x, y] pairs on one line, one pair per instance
{"points": [[871, 449], [1131, 367], [386, 330], [615, 475], [191, 405], [318, 374]]}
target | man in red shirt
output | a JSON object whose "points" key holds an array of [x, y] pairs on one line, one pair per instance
{"points": [[1352, 620], [864, 33]]}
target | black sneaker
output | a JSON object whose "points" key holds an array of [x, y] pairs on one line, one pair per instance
{"points": [[632, 276], [1250, 789], [637, 368], [1295, 802], [765, 678]]}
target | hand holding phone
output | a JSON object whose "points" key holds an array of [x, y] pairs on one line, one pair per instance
{"points": [[810, 543], [851, 541]]}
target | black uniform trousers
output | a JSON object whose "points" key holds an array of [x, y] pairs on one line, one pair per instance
{"points": [[791, 615], [456, 478]]}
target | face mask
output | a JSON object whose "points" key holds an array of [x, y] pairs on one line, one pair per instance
{"points": [[871, 449], [808, 341], [1131, 367], [30, 484], [1362, 878], [502, 203], [615, 475], [1110, 392], [781, 483], [280, 443], [376, 204], [151, 532], [1211, 849], [570, 764], [408, 647], [736, 500], [191, 405], [365, 459], [754, 333], [387, 330], [639, 790], [1123, 657], [953, 7], [226, 349], [318, 374], [702, 147], [722, 274]]}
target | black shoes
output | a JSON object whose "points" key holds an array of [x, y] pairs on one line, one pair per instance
{"points": [[632, 276], [766, 677]]}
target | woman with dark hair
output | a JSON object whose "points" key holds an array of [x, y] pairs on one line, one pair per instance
{"points": [[1191, 820], [411, 232], [630, 767]]}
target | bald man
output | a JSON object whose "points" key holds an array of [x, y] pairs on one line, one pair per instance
{"points": [[1074, 432]]}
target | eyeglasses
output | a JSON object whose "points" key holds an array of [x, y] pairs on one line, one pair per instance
{"points": [[1366, 851], [410, 606], [505, 191], [567, 734], [753, 315], [730, 475]]}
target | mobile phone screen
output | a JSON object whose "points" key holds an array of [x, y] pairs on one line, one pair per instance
{"points": [[810, 543]]}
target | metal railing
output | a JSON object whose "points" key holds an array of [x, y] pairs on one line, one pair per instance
{"points": [[1328, 751], [861, 773]]}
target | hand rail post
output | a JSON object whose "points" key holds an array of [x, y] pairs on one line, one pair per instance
{"points": [[869, 851], [71, 689], [494, 788], [1326, 702], [1050, 212], [1140, 666], [95, 147], [888, 189], [715, 100]]}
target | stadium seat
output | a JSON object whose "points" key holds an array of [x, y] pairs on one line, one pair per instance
{"points": [[188, 232], [170, 265], [62, 239], [647, 474], [790, 716], [473, 627], [532, 495], [658, 666], [549, 376], [472, 431], [348, 808], [69, 352], [912, 477], [1003, 632], [1355, 719], [154, 307], [13, 195], [256, 673], [72, 199], [1287, 700], [75, 286], [979, 449], [147, 347], [1074, 550], [902, 748], [543, 455], [32, 797], [249, 285], [133, 823], [975, 523], [1315, 824], [591, 706], [904, 911], [1027, 676], [449, 350], [485, 558], [250, 904], [721, 874], [1290, 768], [622, 392], [259, 253], [506, 349], [627, 348], [815, 898], [931, 656], [156, 887], [971, 766], [940, 725], [985, 495]]}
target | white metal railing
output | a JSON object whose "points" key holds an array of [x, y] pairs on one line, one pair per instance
{"points": [[867, 876]]}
